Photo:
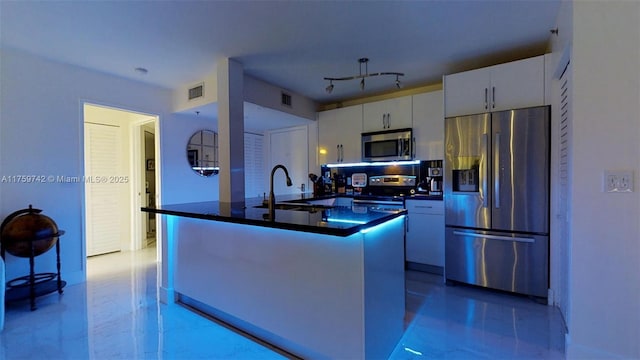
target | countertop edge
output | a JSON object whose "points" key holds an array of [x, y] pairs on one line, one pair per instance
{"points": [[278, 225]]}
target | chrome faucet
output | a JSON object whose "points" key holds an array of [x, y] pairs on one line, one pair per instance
{"points": [[272, 197]]}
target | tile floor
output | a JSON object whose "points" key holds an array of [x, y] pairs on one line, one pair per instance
{"points": [[116, 315]]}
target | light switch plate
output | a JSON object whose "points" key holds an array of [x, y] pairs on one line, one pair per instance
{"points": [[618, 181]]}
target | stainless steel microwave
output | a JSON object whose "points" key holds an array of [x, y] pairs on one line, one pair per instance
{"points": [[388, 145]]}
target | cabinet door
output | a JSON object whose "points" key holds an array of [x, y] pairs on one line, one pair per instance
{"points": [[517, 84], [327, 142], [387, 114], [428, 125], [339, 135], [467, 92], [425, 232]]}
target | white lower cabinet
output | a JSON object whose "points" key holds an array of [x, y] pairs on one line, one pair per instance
{"points": [[425, 232]]}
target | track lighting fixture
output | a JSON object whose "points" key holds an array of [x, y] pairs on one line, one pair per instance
{"points": [[361, 76]]}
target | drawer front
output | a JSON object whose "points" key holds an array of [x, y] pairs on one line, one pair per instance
{"points": [[434, 207], [514, 262]]}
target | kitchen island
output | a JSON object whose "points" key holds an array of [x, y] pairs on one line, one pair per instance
{"points": [[316, 282]]}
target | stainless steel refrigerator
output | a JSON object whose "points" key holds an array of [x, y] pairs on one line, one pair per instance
{"points": [[496, 193]]}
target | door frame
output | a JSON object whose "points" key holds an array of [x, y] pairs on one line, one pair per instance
{"points": [[135, 173], [138, 179]]}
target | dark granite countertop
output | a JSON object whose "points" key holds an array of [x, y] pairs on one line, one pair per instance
{"points": [[337, 220]]}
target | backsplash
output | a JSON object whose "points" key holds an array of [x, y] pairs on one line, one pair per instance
{"points": [[337, 180]]}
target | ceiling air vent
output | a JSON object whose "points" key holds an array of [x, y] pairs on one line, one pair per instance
{"points": [[196, 92], [286, 99]]}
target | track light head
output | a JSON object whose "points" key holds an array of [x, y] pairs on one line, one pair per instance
{"points": [[329, 88], [398, 83]]}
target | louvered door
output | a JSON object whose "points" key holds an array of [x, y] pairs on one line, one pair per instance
{"points": [[104, 197]]}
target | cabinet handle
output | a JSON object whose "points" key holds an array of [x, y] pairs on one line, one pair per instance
{"points": [[338, 153], [388, 121], [341, 152], [384, 121], [423, 207], [493, 97], [486, 98]]}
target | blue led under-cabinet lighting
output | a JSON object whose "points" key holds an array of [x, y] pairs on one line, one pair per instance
{"points": [[376, 227], [347, 221], [377, 163]]}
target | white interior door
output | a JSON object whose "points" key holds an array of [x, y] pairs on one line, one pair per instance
{"points": [[104, 194]]}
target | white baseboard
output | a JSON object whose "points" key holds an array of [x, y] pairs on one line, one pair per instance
{"points": [[582, 352], [167, 296]]}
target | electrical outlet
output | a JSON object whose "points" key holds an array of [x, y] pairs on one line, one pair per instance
{"points": [[625, 183], [618, 181]]}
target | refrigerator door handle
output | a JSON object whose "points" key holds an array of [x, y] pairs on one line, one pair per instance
{"points": [[495, 237], [485, 171], [496, 171]]}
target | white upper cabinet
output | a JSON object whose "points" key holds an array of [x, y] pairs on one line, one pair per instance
{"points": [[467, 92], [512, 85], [387, 114], [428, 125], [339, 134]]}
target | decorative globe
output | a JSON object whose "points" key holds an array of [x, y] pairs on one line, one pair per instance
{"points": [[27, 226]]}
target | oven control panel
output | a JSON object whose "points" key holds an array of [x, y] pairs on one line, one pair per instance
{"points": [[393, 180]]}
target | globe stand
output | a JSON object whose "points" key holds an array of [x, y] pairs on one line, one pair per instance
{"points": [[27, 233], [35, 284]]}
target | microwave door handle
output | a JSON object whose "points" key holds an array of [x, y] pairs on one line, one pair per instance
{"points": [[413, 148]]}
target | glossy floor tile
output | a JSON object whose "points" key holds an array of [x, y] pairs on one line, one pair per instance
{"points": [[116, 315], [464, 322]]}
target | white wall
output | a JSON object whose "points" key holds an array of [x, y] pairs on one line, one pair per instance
{"points": [[605, 253], [41, 129], [187, 185]]}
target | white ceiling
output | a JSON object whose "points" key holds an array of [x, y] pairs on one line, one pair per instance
{"points": [[291, 44]]}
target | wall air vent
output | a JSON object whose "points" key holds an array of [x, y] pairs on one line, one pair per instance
{"points": [[196, 91], [286, 99]]}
